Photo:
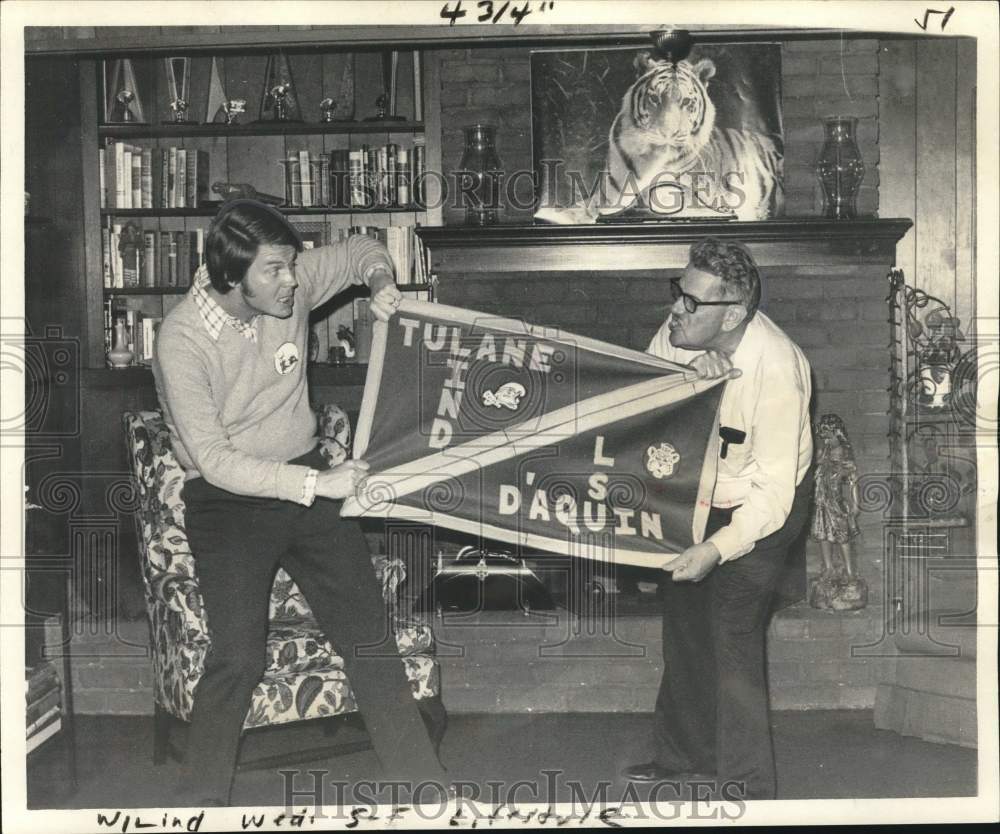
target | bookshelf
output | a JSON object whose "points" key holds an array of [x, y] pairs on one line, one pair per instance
{"points": [[254, 152], [147, 131]]}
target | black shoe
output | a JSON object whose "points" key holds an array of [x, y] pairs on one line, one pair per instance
{"points": [[653, 772]]}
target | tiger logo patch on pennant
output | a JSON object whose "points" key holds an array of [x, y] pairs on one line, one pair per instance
{"points": [[661, 460]]}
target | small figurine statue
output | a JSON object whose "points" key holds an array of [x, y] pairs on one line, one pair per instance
{"points": [[326, 108], [834, 523], [346, 336]]}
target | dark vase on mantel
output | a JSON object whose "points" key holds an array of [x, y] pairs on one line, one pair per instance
{"points": [[840, 168], [480, 176]]}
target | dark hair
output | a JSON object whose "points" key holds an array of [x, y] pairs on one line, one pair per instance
{"points": [[238, 230], [733, 263]]}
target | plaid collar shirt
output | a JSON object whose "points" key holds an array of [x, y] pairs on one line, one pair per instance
{"points": [[213, 315]]}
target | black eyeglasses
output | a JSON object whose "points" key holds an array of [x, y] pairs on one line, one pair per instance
{"points": [[691, 304]]}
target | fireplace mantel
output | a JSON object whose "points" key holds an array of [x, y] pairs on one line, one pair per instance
{"points": [[613, 246]]}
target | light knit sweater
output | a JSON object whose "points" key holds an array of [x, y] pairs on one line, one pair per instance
{"points": [[238, 410]]}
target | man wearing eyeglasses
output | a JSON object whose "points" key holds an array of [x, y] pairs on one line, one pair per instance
{"points": [[711, 713]]}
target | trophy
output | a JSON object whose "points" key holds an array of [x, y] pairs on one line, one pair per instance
{"points": [[233, 107], [278, 102], [178, 83], [280, 94], [121, 94], [125, 98]]}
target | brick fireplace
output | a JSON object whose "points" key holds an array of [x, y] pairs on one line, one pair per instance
{"points": [[825, 284]]}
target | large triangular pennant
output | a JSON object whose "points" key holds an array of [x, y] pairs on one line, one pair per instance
{"points": [[535, 436]]}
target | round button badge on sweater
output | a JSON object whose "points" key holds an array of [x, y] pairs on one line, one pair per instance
{"points": [[286, 358]]}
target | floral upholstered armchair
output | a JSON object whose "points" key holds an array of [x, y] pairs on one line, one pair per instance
{"points": [[304, 677]]}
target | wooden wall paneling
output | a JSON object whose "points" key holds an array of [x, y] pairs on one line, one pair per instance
{"points": [[245, 79], [90, 279], [367, 83], [337, 83], [222, 63], [201, 75], [404, 85], [965, 182], [152, 86], [432, 134], [60, 162], [307, 70], [148, 305], [338, 310], [170, 301], [897, 142], [108, 396], [935, 169], [258, 160]]}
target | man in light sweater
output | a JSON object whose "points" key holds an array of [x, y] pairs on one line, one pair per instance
{"points": [[711, 713], [230, 372]]}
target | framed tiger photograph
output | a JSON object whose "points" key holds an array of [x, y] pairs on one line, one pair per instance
{"points": [[627, 133]]}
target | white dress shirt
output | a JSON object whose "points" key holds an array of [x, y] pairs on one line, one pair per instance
{"points": [[770, 402]]}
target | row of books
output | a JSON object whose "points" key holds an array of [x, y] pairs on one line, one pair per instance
{"points": [[140, 330], [134, 177], [43, 699], [407, 250], [381, 177], [137, 257]]}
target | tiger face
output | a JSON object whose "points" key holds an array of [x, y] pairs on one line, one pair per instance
{"points": [[666, 109], [666, 153]]}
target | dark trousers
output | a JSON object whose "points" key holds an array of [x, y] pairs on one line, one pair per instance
{"points": [[712, 712], [238, 543]]}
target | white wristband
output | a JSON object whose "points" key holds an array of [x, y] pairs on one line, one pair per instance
{"points": [[309, 488]]}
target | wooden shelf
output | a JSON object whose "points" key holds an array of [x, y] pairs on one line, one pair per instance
{"points": [[136, 376], [171, 131], [350, 373], [212, 209], [110, 291]]}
